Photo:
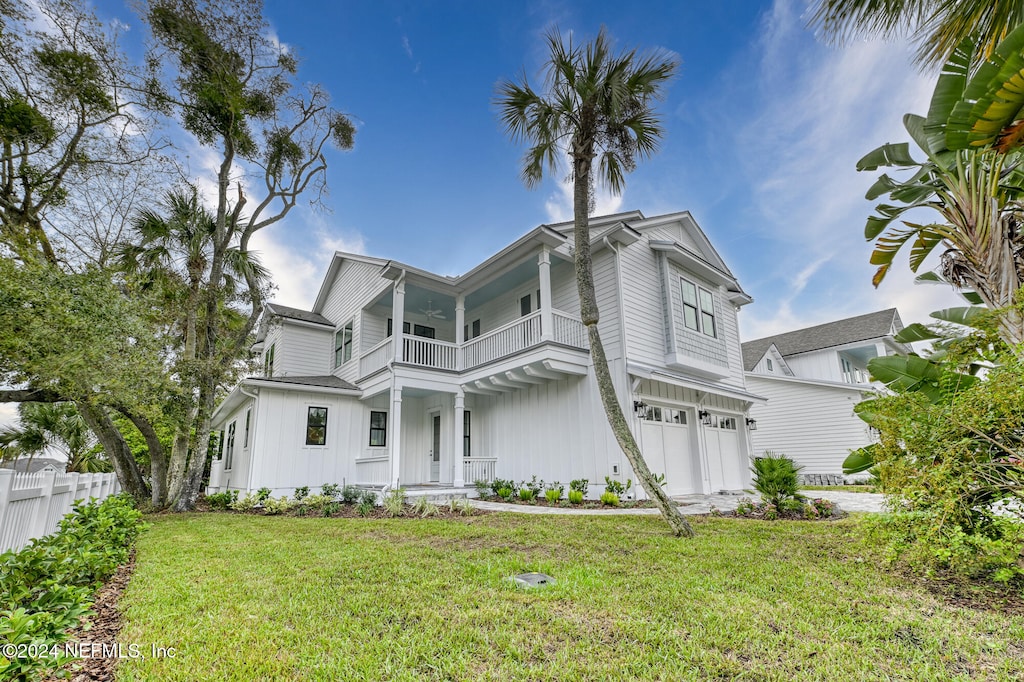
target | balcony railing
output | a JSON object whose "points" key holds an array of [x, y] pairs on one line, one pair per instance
{"points": [[430, 352], [478, 469], [503, 341], [856, 376], [570, 330], [375, 358]]}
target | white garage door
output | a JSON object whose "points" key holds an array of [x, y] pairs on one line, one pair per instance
{"points": [[665, 437], [724, 460]]}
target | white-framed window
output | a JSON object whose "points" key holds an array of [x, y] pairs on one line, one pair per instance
{"points": [[268, 361], [727, 423], [248, 420], [378, 429], [667, 415], [769, 360], [229, 447], [316, 425], [466, 421], [343, 344], [698, 308]]}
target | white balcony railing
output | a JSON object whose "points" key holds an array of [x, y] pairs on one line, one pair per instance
{"points": [[376, 357], [478, 469], [569, 330], [430, 352], [856, 376], [503, 341]]}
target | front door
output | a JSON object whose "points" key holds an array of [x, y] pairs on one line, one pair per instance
{"points": [[435, 448]]}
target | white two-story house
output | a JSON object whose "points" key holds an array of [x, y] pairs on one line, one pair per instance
{"points": [[812, 378], [401, 377]]}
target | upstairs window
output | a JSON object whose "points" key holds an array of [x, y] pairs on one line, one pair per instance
{"points": [[343, 345], [698, 309], [378, 429], [248, 419], [476, 328], [316, 426], [524, 306], [405, 327], [770, 365], [268, 361]]}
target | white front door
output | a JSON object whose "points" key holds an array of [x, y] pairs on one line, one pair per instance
{"points": [[724, 461], [666, 448], [435, 448]]}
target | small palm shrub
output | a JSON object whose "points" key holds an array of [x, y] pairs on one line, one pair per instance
{"points": [[499, 484], [609, 499], [575, 497], [777, 479]]}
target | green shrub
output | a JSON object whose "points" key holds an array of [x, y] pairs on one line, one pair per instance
{"points": [[609, 499], [394, 502], [330, 509], [301, 493], [534, 486], [580, 485], [576, 497], [331, 490], [423, 507], [483, 488], [505, 493], [616, 487], [777, 478], [350, 494], [244, 504], [553, 494], [527, 494], [273, 506], [368, 497], [48, 586], [262, 494], [365, 508], [222, 500], [460, 506], [745, 506], [316, 502], [499, 484]]}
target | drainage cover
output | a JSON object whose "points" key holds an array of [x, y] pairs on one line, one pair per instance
{"points": [[532, 580]]}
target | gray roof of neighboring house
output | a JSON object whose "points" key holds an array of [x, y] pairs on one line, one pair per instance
{"points": [[852, 329], [328, 381], [296, 314], [26, 466]]}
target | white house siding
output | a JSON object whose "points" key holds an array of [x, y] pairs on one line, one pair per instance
{"points": [[303, 351], [355, 284], [285, 461], [606, 289], [820, 364], [812, 424], [237, 477]]}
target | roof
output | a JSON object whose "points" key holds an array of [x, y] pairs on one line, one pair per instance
{"points": [[326, 381], [851, 330], [31, 466], [296, 314]]}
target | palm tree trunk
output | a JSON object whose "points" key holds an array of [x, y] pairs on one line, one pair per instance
{"points": [[590, 315]]}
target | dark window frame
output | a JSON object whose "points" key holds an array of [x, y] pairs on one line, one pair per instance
{"points": [[466, 442], [320, 423], [380, 430]]}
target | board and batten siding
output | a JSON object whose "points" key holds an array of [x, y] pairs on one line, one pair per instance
{"points": [[812, 424], [353, 287], [821, 364], [237, 477]]}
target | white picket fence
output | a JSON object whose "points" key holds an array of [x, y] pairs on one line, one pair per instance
{"points": [[32, 505]]}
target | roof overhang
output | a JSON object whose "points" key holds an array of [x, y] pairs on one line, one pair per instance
{"points": [[654, 374], [858, 388], [690, 261], [237, 396]]}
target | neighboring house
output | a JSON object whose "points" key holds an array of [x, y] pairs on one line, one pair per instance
{"points": [[812, 378], [398, 376], [25, 465]]}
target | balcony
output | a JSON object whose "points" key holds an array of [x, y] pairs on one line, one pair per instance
{"points": [[507, 340]]}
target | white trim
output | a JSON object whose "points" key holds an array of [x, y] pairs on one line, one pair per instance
{"points": [[654, 374], [859, 388]]}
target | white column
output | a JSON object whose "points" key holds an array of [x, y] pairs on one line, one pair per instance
{"points": [[395, 432], [458, 480], [460, 327], [398, 319], [547, 320]]}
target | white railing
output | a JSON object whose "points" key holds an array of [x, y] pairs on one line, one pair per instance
{"points": [[375, 358], [478, 469], [373, 470], [32, 505], [429, 352], [506, 340], [569, 330], [857, 376]]}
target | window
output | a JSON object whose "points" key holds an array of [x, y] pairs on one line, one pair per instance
{"points": [[248, 419], [316, 426], [770, 365], [343, 345], [268, 361], [652, 414], [229, 447], [378, 429], [476, 328], [727, 423], [668, 415], [405, 327], [524, 305], [465, 434], [425, 332], [698, 309]]}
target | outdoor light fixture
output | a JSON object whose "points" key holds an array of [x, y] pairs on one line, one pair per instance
{"points": [[640, 407], [705, 417], [751, 424]]}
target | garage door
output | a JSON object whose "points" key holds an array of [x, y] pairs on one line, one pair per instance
{"points": [[665, 438], [725, 463]]}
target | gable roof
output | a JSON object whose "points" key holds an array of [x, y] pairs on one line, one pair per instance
{"points": [[860, 328], [325, 381], [297, 314], [36, 464]]}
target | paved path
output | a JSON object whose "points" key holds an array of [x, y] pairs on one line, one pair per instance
{"points": [[694, 504]]}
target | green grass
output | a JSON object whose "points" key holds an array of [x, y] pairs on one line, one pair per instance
{"points": [[256, 598]]}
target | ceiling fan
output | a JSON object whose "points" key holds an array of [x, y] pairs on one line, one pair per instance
{"points": [[431, 313]]}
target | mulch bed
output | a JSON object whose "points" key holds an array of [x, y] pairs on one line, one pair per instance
{"points": [[350, 511], [102, 628], [565, 504]]}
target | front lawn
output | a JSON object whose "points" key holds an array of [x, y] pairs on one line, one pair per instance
{"points": [[244, 597]]}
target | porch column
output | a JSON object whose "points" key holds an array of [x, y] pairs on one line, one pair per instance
{"points": [[398, 319], [458, 479], [395, 432], [460, 328], [547, 320]]}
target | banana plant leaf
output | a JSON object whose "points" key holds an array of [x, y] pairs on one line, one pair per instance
{"points": [[860, 460], [967, 316], [916, 332], [908, 373]]}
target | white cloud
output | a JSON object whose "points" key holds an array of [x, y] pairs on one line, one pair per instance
{"points": [[8, 414], [559, 204]]}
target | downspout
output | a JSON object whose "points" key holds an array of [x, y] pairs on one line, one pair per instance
{"points": [[252, 432]]}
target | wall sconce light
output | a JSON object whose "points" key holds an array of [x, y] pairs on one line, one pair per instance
{"points": [[705, 417], [751, 424], [640, 407]]}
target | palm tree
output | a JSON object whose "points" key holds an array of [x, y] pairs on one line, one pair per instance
{"points": [[936, 26], [595, 105], [53, 426]]}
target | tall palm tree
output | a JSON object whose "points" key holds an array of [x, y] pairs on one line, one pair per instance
{"points": [[936, 26], [594, 105], [53, 426]]}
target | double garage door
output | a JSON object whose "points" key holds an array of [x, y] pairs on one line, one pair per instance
{"points": [[668, 448]]}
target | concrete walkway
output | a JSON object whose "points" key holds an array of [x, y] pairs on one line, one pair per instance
{"points": [[694, 504]]}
